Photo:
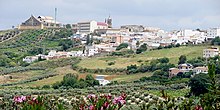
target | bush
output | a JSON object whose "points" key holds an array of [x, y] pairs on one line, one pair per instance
{"points": [[111, 63], [141, 49], [199, 84], [121, 46], [46, 87]]}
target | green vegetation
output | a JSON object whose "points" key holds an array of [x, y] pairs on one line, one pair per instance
{"points": [[71, 81], [159, 64], [182, 59], [216, 41], [32, 42], [66, 44], [121, 46], [141, 49], [57, 62], [199, 84], [121, 62]]}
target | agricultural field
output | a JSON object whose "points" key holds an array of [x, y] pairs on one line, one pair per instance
{"points": [[16, 77]]}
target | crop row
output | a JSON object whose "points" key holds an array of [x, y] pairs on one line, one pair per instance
{"points": [[19, 69]]}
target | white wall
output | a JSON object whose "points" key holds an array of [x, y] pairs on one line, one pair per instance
{"points": [[93, 26]]}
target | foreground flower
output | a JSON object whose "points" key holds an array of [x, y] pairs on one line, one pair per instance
{"points": [[91, 96], [91, 107], [198, 108], [119, 100], [19, 99]]}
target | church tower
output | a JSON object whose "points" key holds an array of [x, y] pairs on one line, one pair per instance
{"points": [[109, 22]]}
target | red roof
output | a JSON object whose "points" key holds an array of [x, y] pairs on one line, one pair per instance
{"points": [[102, 24]]}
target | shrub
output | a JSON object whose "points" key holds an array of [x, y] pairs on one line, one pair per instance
{"points": [[121, 46], [111, 63], [46, 87]]}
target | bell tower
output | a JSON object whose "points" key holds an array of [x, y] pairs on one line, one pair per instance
{"points": [[109, 22]]}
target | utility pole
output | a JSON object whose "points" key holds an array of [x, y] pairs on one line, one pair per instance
{"points": [[55, 17]]}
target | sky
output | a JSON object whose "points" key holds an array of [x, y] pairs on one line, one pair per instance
{"points": [[165, 14]]}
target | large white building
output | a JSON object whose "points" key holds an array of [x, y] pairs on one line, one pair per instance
{"points": [[89, 26], [210, 52], [213, 32]]}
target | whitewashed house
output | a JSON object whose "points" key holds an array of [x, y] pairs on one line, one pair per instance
{"points": [[91, 51], [198, 70], [30, 59], [210, 52], [101, 79]]}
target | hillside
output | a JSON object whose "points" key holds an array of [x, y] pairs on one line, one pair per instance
{"points": [[61, 67], [31, 42], [121, 62]]}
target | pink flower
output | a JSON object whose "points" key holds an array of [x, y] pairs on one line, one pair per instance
{"points": [[116, 100], [122, 102], [23, 98], [109, 96], [119, 100], [198, 108], [19, 99], [34, 99], [91, 107], [91, 96], [106, 105]]}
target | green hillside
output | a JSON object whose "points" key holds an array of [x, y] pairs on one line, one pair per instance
{"points": [[31, 42], [121, 62]]}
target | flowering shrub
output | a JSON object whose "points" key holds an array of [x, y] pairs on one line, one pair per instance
{"points": [[91, 102], [103, 102], [34, 103]]}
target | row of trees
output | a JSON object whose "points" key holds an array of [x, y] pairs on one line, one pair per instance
{"points": [[73, 81], [158, 64]]}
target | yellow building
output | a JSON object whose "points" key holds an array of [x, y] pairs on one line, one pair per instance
{"points": [[40, 22]]}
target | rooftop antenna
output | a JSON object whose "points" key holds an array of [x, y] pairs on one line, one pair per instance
{"points": [[55, 16]]}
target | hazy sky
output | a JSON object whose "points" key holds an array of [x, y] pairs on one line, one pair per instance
{"points": [[166, 14]]}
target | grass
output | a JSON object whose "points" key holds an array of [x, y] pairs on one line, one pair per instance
{"points": [[16, 77], [61, 71], [130, 78], [121, 62]]}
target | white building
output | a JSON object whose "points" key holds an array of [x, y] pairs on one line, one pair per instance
{"points": [[102, 80], [198, 70], [213, 32], [89, 26], [91, 50], [76, 53], [30, 59], [210, 52]]}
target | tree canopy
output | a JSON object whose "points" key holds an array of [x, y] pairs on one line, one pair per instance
{"points": [[182, 59], [121, 46]]}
